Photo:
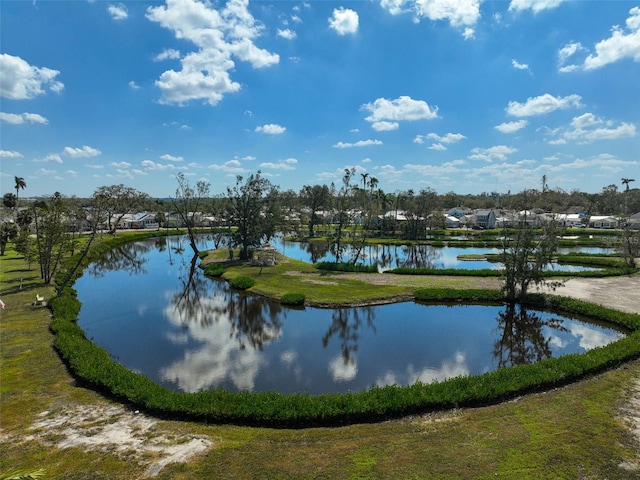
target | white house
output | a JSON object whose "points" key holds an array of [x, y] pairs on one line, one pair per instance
{"points": [[603, 221]]}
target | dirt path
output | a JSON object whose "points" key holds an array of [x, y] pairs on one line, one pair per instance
{"points": [[620, 293]]}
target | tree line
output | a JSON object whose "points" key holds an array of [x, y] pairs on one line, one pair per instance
{"points": [[257, 210]]}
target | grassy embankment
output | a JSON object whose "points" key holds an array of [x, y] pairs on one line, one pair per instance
{"points": [[571, 432]]}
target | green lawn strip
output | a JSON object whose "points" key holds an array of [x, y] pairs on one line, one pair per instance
{"points": [[319, 288]]}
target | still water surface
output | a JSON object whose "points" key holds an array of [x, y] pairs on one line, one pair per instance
{"points": [[387, 257], [151, 308]]}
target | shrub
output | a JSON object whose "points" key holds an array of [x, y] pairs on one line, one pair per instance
{"points": [[242, 282], [457, 295], [214, 270], [295, 299], [202, 255]]}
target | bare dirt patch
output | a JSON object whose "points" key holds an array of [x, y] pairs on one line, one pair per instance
{"points": [[113, 429], [620, 293]]}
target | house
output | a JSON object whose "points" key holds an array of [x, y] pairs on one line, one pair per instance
{"points": [[570, 219], [603, 221], [139, 220], [484, 218], [634, 221], [459, 212], [451, 221]]}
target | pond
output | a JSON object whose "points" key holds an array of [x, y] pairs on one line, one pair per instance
{"points": [[388, 257], [149, 305]]}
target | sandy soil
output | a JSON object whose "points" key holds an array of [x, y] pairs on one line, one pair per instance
{"points": [[114, 429], [621, 293]]}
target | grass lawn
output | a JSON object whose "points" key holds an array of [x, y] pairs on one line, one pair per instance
{"points": [[48, 421]]}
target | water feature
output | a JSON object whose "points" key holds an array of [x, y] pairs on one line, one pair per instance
{"points": [[148, 304], [415, 256]]}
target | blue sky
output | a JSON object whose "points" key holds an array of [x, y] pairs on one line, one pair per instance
{"points": [[457, 95]]}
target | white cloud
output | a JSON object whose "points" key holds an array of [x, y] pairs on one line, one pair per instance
{"points": [[569, 50], [385, 126], [232, 167], [511, 127], [287, 34], [400, 109], [449, 138], [287, 164], [498, 152], [134, 85], [52, 157], [469, 33], [542, 105], [120, 164], [271, 129], [83, 152], [361, 143], [19, 119], [220, 36], [21, 81], [459, 13], [587, 128], [622, 44], [151, 165], [118, 12], [519, 66], [10, 154], [171, 158], [167, 54], [534, 5], [344, 21], [437, 146]]}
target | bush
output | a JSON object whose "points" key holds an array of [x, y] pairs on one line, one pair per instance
{"points": [[202, 255], [242, 282], [214, 270], [295, 299], [457, 295]]}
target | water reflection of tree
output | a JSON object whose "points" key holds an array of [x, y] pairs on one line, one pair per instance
{"points": [[420, 256], [254, 320], [317, 250], [346, 323], [191, 301], [129, 257], [523, 339]]}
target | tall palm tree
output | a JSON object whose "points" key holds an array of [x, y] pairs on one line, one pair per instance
{"points": [[20, 184], [627, 181]]}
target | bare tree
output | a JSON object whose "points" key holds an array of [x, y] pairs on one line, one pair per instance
{"points": [[187, 204]]}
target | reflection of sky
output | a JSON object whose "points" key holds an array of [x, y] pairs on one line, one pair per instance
{"points": [[455, 367], [343, 370], [134, 319], [214, 359], [590, 337], [441, 257]]}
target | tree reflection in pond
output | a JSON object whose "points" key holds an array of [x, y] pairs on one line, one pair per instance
{"points": [[253, 321], [522, 337], [129, 257], [345, 323]]}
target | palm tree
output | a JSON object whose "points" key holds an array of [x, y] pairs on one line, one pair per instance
{"points": [[627, 181], [21, 184]]}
